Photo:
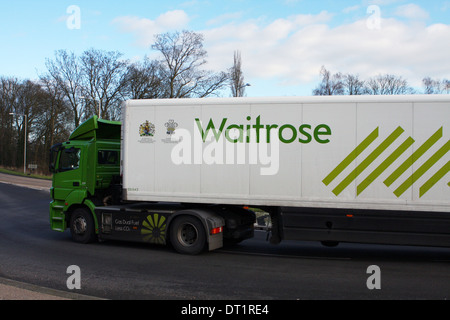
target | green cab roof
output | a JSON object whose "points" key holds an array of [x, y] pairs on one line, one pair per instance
{"points": [[95, 128]]}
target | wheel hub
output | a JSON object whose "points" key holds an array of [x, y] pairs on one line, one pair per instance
{"points": [[188, 234], [80, 225]]}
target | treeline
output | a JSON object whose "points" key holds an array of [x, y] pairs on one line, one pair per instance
{"points": [[74, 88], [387, 84]]}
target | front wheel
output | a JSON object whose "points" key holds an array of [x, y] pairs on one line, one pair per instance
{"points": [[187, 235], [82, 226]]}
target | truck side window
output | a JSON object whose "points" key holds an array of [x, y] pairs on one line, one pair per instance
{"points": [[108, 157], [69, 159]]}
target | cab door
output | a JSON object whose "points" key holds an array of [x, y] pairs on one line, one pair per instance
{"points": [[68, 174]]}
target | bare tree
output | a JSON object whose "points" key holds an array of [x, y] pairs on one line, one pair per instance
{"points": [[9, 92], [35, 112], [388, 84], [54, 121], [53, 124], [353, 85], [103, 74], [237, 77], [21, 105], [67, 74], [91, 83], [143, 80], [183, 62], [433, 86], [31, 104], [330, 84]]}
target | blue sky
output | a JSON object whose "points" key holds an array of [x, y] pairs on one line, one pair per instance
{"points": [[283, 43]]}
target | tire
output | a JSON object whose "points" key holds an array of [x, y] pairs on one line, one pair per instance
{"points": [[82, 226], [187, 235]]}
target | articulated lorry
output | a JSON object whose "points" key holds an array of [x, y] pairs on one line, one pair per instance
{"points": [[191, 172]]}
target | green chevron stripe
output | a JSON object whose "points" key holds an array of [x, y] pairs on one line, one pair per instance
{"points": [[367, 161], [352, 156], [435, 179], [414, 157], [384, 165], [423, 169]]}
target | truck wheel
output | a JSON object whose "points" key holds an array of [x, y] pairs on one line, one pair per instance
{"points": [[82, 226], [187, 235]]}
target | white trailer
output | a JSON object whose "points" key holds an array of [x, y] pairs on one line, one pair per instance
{"points": [[347, 152], [346, 168]]}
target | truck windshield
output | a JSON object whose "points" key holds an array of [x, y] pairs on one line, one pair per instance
{"points": [[69, 159]]}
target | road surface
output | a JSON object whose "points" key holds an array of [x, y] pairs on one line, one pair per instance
{"points": [[37, 184], [33, 254]]}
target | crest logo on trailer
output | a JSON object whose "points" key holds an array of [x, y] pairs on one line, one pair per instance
{"points": [[147, 129], [431, 166]]}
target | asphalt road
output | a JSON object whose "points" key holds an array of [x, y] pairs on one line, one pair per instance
{"points": [[255, 270], [33, 183]]}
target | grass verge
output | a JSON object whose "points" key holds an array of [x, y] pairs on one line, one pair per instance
{"points": [[17, 173]]}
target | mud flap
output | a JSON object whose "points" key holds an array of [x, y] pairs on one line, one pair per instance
{"points": [[211, 221]]}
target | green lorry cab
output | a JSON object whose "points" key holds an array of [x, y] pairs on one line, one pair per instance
{"points": [[85, 170]]}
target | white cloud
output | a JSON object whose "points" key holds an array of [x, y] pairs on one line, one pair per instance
{"points": [[293, 49], [290, 51], [412, 11], [145, 29]]}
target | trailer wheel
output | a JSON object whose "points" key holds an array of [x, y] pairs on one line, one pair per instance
{"points": [[82, 226], [187, 235]]}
